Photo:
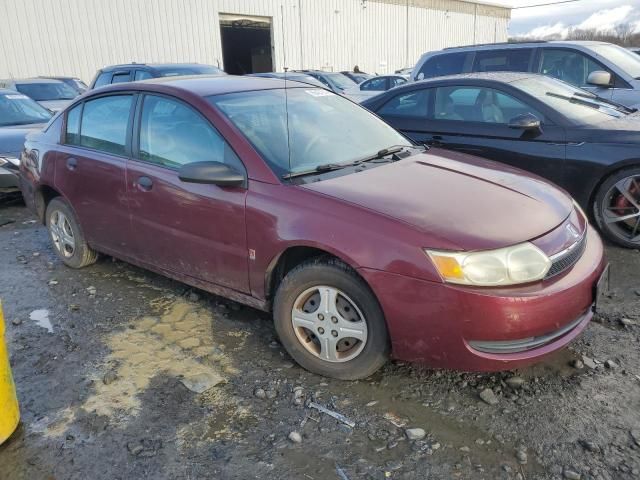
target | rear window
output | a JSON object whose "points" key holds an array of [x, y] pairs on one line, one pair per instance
{"points": [[102, 125], [41, 91], [514, 60], [18, 109], [191, 70], [444, 64], [102, 80]]}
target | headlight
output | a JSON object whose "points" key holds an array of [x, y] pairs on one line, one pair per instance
{"points": [[13, 160], [522, 263]]}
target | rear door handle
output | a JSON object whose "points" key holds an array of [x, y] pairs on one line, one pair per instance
{"points": [[72, 163], [145, 183]]}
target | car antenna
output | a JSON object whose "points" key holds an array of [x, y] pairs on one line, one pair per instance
{"points": [[286, 82]]}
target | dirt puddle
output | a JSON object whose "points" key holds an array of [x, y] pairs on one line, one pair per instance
{"points": [[179, 342]]}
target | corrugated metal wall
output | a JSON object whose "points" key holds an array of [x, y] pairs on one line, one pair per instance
{"points": [[76, 37]]}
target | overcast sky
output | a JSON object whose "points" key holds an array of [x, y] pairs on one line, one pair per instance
{"points": [[540, 21]]}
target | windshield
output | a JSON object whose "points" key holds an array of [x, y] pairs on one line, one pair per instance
{"points": [[317, 128], [18, 109], [42, 91], [574, 103], [626, 60], [339, 80], [194, 70]]}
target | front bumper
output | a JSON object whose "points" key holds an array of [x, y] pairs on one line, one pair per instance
{"points": [[9, 179], [439, 324]]}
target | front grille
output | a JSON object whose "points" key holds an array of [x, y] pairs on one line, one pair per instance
{"points": [[565, 260]]}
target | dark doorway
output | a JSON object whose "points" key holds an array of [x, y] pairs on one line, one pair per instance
{"points": [[246, 44]]}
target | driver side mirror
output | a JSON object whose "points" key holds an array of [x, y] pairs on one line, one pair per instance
{"points": [[212, 173], [599, 78], [526, 121]]}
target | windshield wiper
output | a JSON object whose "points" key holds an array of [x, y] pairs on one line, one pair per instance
{"points": [[328, 167]]}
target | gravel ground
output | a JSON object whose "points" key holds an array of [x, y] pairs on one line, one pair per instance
{"points": [[114, 384]]}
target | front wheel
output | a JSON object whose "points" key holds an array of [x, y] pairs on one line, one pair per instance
{"points": [[617, 207], [330, 322]]}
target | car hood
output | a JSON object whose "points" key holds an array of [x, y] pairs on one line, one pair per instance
{"points": [[55, 105], [458, 201], [618, 130], [12, 138]]}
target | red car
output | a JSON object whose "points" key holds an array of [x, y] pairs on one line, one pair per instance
{"points": [[300, 202]]}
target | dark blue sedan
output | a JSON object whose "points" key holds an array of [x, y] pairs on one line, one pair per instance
{"points": [[587, 145]]}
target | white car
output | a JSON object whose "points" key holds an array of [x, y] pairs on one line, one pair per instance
{"points": [[373, 86]]}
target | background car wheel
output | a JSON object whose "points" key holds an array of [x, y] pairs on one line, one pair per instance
{"points": [[617, 208], [66, 235], [330, 322]]}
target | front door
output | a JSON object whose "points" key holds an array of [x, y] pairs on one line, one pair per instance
{"points": [[189, 229], [475, 120], [90, 170]]}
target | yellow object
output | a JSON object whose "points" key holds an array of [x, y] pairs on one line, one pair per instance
{"points": [[9, 411]]}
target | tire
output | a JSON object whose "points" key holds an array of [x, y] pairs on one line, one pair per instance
{"points": [[358, 359], [64, 229], [609, 192]]}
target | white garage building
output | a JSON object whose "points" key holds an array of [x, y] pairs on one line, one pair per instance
{"points": [[77, 37]]}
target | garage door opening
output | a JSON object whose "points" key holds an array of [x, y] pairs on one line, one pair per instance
{"points": [[246, 44]]}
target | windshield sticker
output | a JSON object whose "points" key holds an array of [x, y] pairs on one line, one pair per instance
{"points": [[16, 96], [319, 93]]}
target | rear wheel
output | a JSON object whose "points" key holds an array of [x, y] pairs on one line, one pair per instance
{"points": [[330, 322], [617, 207], [66, 235]]}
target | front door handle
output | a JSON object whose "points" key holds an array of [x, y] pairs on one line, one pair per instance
{"points": [[72, 163], [145, 183], [435, 141]]}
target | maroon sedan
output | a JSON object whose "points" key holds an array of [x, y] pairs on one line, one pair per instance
{"points": [[300, 202]]}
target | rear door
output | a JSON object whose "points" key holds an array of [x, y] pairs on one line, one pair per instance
{"points": [[189, 229], [91, 166]]}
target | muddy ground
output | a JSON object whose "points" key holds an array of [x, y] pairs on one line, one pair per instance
{"points": [[109, 360]]}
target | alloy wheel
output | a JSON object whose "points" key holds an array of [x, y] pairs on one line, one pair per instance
{"points": [[62, 234], [328, 324], [621, 209]]}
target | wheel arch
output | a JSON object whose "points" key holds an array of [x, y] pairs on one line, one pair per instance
{"points": [[611, 170], [42, 197], [294, 255]]}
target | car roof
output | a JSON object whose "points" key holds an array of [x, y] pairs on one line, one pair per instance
{"points": [[32, 80], [504, 77], [492, 46], [158, 66], [206, 85]]}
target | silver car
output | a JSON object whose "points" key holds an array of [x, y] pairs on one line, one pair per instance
{"points": [[52, 94], [609, 71], [18, 116]]}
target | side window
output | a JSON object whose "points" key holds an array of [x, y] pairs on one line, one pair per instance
{"points": [[376, 84], [121, 77], [411, 104], [142, 75], [173, 134], [105, 122], [72, 134], [569, 65], [397, 81], [103, 79], [513, 60], [445, 64], [477, 104]]}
